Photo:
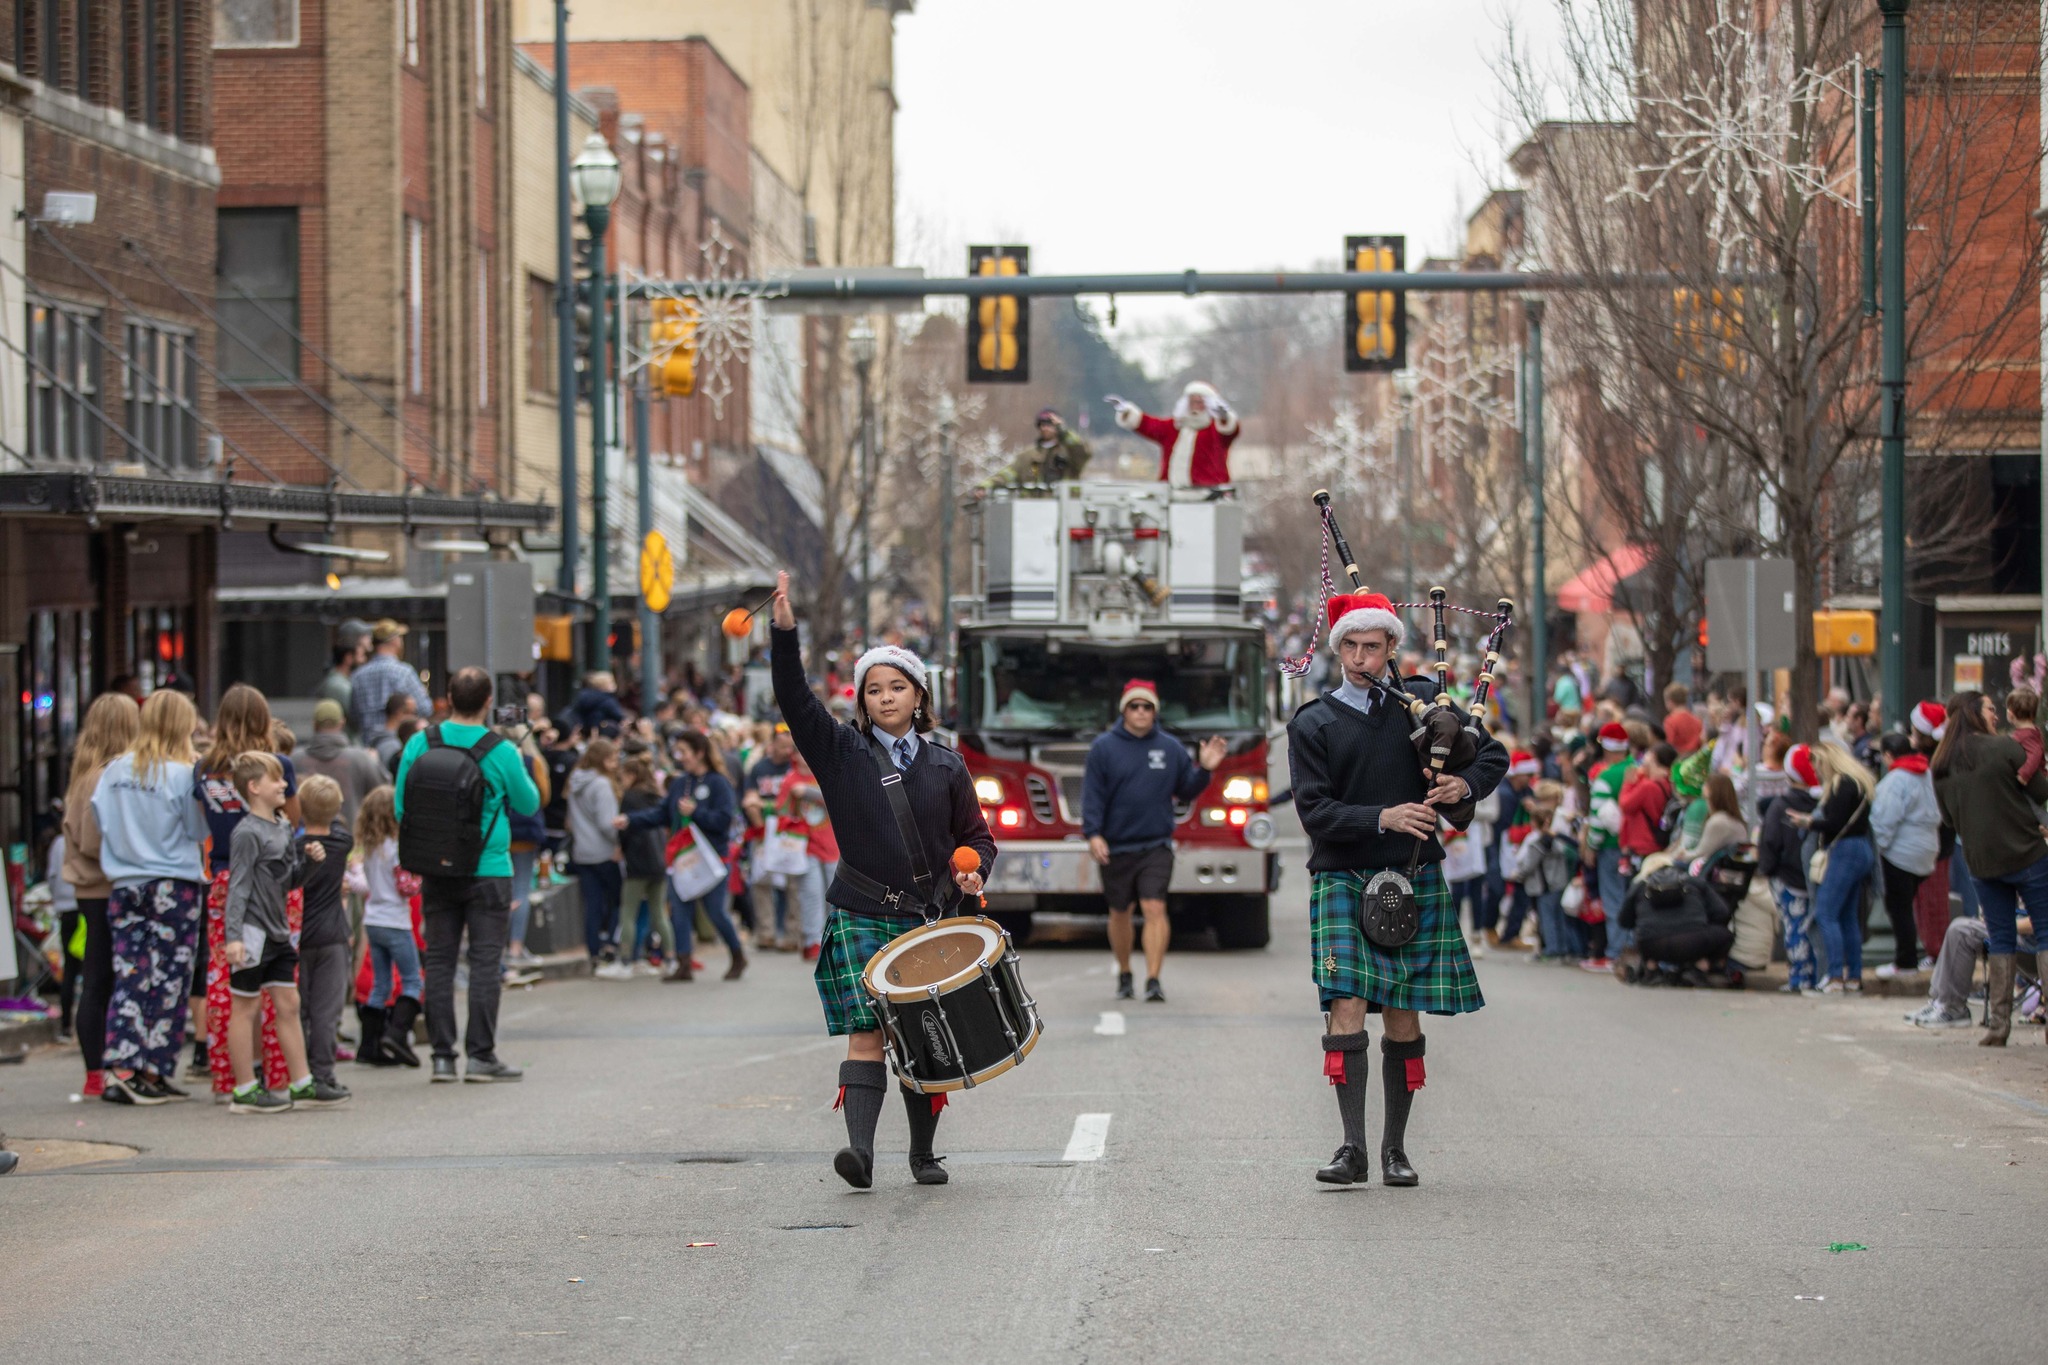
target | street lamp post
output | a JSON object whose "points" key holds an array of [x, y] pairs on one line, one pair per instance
{"points": [[948, 414], [1405, 384], [1892, 364], [860, 342], [650, 620], [565, 307], [596, 177], [1532, 435]]}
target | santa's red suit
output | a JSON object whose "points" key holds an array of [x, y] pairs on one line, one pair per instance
{"points": [[1194, 447]]}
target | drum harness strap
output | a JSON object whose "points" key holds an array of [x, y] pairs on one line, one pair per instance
{"points": [[924, 900]]}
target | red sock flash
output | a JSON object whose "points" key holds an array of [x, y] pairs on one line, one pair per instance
{"points": [[1415, 1073], [1333, 1067]]}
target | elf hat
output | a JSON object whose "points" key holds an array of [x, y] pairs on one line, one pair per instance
{"points": [[896, 657], [1351, 612], [1522, 764], [1799, 763], [1138, 689], [1613, 737], [1930, 718]]}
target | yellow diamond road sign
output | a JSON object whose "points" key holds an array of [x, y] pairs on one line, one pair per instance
{"points": [[657, 571]]}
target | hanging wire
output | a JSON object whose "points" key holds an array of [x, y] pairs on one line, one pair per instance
{"points": [[183, 405], [101, 280]]}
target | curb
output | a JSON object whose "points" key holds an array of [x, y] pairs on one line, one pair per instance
{"points": [[19, 1036]]}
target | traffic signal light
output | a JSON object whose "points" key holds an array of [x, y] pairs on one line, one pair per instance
{"points": [[999, 325], [1707, 327], [672, 347], [581, 299], [1375, 320]]}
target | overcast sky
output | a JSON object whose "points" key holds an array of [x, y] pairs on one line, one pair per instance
{"points": [[1155, 135]]}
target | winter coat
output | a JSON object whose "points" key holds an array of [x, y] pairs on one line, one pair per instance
{"points": [[1906, 819], [1778, 854], [355, 770], [643, 844], [592, 806], [1206, 455]]}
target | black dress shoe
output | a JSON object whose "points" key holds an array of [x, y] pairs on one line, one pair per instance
{"points": [[926, 1168], [1395, 1170], [855, 1167], [1348, 1167], [444, 1069]]}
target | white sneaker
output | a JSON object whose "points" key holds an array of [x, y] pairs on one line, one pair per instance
{"points": [[1926, 964], [613, 971], [645, 968], [1886, 972], [1938, 1017]]}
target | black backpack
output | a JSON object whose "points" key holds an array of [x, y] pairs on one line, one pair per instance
{"points": [[442, 832]]}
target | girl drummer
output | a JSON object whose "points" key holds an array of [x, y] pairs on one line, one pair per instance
{"points": [[873, 897]]}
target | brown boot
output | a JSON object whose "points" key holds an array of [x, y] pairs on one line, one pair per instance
{"points": [[1998, 1001], [739, 965]]}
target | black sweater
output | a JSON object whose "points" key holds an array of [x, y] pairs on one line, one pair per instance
{"points": [[1348, 766], [940, 790], [1844, 815]]}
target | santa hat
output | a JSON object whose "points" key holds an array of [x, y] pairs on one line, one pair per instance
{"points": [[897, 657], [1351, 612], [1522, 764], [1799, 763], [1930, 718], [1613, 737], [1138, 689]]}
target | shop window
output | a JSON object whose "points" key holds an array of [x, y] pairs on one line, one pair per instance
{"points": [[540, 336], [160, 387], [64, 418], [256, 23], [256, 291]]}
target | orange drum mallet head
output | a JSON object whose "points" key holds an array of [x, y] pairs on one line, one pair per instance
{"points": [[737, 622], [966, 859]]}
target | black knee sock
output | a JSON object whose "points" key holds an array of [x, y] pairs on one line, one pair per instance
{"points": [[860, 1095], [1402, 1073], [924, 1119], [1346, 1061]]}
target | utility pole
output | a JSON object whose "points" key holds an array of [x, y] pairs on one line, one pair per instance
{"points": [[650, 620], [600, 380], [1532, 435], [565, 309], [1404, 389], [948, 415], [861, 341], [1892, 369]]}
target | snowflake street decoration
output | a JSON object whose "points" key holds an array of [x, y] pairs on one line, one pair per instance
{"points": [[1725, 130], [1462, 384], [725, 307], [1350, 454]]}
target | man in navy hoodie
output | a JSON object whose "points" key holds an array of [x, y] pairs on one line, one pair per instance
{"points": [[1135, 773]]}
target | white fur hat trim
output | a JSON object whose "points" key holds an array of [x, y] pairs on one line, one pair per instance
{"points": [[896, 657]]}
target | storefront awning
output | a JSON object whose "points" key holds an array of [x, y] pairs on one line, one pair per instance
{"points": [[1592, 589], [99, 497]]}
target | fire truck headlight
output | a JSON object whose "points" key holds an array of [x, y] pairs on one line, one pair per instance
{"points": [[1009, 817], [1258, 831], [1238, 791], [988, 791], [1212, 815]]}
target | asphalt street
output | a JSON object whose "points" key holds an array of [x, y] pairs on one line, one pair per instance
{"points": [[1608, 1174]]}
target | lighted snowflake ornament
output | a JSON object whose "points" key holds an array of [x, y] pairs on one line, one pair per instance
{"points": [[1725, 127], [726, 309]]}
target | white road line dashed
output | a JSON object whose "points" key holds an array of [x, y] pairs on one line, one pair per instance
{"points": [[1112, 1025], [1091, 1131]]}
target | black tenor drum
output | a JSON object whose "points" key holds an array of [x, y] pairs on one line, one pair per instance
{"points": [[953, 1009]]}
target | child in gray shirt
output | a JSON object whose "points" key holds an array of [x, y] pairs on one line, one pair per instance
{"points": [[262, 951]]}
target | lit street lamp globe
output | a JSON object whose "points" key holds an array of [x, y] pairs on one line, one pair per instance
{"points": [[595, 174]]}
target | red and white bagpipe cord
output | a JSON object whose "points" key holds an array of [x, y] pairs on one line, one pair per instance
{"points": [[1295, 667]]}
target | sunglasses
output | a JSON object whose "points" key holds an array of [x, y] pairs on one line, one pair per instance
{"points": [[1140, 706]]}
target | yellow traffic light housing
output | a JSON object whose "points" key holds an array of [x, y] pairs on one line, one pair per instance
{"points": [[999, 325], [1375, 320], [672, 348]]}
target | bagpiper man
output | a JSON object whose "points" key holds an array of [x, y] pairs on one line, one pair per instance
{"points": [[872, 898], [1364, 798]]}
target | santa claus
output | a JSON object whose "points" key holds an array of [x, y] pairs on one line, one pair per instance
{"points": [[1194, 446]]}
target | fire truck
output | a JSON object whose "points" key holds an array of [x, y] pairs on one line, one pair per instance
{"points": [[1077, 588]]}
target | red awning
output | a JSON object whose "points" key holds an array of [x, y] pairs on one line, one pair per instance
{"points": [[1592, 589]]}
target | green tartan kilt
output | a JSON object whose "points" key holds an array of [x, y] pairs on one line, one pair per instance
{"points": [[1432, 972], [850, 940]]}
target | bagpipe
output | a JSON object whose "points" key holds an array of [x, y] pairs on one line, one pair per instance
{"points": [[1446, 739]]}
